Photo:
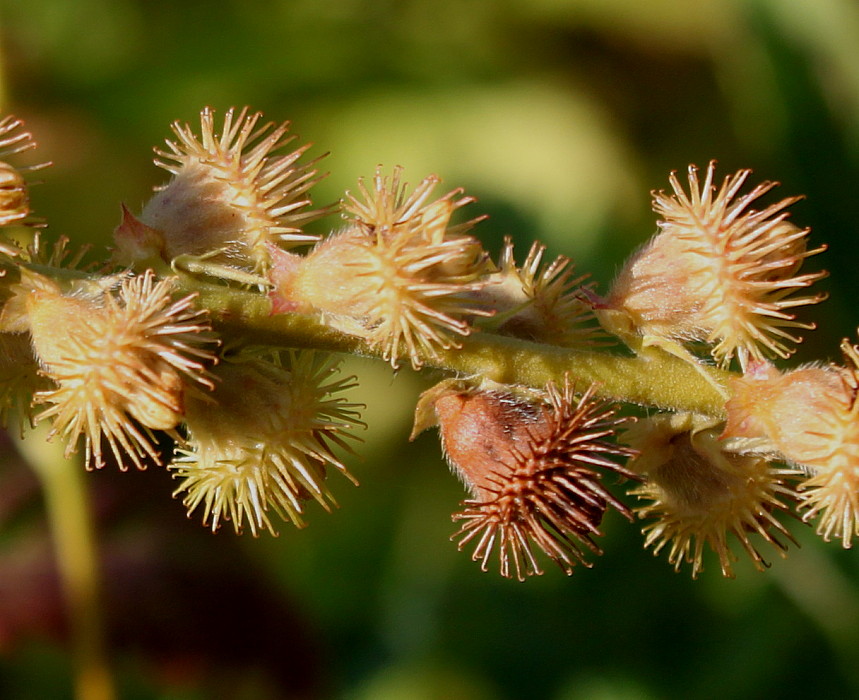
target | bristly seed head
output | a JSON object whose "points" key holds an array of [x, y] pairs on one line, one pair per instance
{"points": [[19, 379], [14, 190], [120, 361], [388, 209], [231, 197], [719, 271], [263, 441], [541, 302], [531, 470], [700, 493], [399, 276], [810, 415]]}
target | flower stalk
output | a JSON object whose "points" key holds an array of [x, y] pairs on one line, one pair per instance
{"points": [[69, 514], [653, 379], [207, 325]]}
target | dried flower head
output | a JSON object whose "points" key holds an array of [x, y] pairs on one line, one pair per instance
{"points": [[263, 441], [119, 360], [404, 285], [541, 302], [700, 493], [232, 194], [530, 469], [809, 415], [719, 271]]}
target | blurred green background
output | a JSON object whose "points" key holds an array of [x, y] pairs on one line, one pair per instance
{"points": [[560, 116]]}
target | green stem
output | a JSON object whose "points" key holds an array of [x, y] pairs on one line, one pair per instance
{"points": [[653, 378], [68, 509]]}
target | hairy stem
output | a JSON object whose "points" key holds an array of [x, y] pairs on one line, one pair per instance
{"points": [[654, 378]]}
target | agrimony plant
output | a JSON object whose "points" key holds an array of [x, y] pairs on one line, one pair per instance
{"points": [[216, 319]]}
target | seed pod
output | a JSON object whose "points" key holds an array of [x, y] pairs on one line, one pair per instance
{"points": [[809, 415], [700, 493], [399, 276], [233, 195], [530, 467], [120, 361], [718, 271], [264, 440]]}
